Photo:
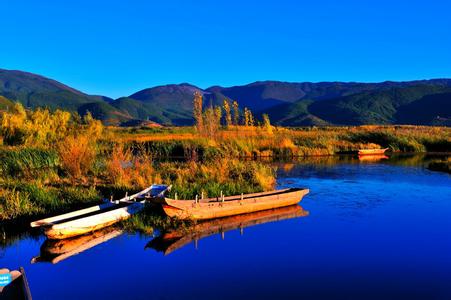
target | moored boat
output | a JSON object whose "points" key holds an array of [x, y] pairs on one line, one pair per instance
{"points": [[176, 239], [17, 287], [203, 209], [97, 217], [372, 151]]}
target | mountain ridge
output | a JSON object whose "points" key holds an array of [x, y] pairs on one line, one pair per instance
{"points": [[287, 103]]}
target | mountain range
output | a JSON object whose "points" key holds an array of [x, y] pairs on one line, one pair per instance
{"points": [[420, 102]]}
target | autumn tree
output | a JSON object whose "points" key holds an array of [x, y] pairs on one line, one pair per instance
{"points": [[13, 123], [212, 121], [94, 128], [228, 113], [197, 111], [267, 124], [78, 150], [236, 113], [248, 117]]}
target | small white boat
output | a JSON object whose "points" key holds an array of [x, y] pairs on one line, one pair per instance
{"points": [[96, 217]]}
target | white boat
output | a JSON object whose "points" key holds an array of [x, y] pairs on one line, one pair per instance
{"points": [[96, 217]]}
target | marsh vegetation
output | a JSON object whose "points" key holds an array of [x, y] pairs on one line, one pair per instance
{"points": [[55, 161]]}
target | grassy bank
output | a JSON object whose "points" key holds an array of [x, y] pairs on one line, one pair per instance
{"points": [[253, 141]]}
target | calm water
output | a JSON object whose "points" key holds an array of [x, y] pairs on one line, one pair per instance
{"points": [[367, 230]]}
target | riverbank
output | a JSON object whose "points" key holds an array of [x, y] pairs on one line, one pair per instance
{"points": [[53, 162], [252, 142]]}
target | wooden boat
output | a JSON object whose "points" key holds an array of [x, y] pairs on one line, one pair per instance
{"points": [[173, 240], [54, 251], [372, 151], [96, 217], [233, 205], [18, 289]]}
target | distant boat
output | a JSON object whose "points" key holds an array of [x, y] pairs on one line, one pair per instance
{"points": [[372, 151], [176, 239], [203, 209], [18, 288], [54, 251], [96, 217]]}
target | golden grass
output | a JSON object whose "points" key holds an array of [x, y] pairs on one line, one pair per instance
{"points": [[77, 154], [122, 168], [257, 141]]}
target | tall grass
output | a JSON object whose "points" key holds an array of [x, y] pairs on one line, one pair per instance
{"points": [[22, 200], [247, 141], [123, 168], [229, 176], [28, 162]]}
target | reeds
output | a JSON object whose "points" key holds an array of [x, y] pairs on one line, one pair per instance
{"points": [[210, 179], [123, 168], [28, 162], [22, 200]]}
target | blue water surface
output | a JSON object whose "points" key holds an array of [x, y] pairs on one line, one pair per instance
{"points": [[376, 230]]}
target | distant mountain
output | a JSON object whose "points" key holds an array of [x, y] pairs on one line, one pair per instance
{"points": [[168, 104], [388, 106], [287, 103], [37, 91]]}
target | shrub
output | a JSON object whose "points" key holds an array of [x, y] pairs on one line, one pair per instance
{"points": [[77, 154], [128, 170], [14, 203]]}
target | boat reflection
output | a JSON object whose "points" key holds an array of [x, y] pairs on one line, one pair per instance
{"points": [[55, 251], [372, 158], [173, 240]]}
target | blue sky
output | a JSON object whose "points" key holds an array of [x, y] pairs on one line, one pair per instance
{"points": [[115, 48]]}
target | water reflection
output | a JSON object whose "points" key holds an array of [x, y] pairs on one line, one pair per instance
{"points": [[55, 251], [372, 158], [395, 159], [170, 241]]}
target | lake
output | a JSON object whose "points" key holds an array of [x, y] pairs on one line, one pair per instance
{"points": [[367, 230]]}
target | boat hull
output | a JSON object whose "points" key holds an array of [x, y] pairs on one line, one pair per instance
{"points": [[210, 209], [92, 223]]}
